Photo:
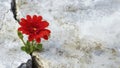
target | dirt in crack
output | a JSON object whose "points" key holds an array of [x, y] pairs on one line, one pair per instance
{"points": [[14, 9], [31, 63]]}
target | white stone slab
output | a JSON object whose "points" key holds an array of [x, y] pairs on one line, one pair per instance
{"points": [[10, 54], [85, 33]]}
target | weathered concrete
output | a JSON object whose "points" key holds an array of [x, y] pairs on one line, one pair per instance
{"points": [[10, 54], [85, 33]]}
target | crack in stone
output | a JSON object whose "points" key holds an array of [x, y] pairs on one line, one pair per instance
{"points": [[31, 63], [14, 9]]}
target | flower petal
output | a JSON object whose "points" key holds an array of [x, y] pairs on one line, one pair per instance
{"points": [[23, 20], [39, 18], [47, 30], [34, 19], [44, 24], [20, 29], [31, 37], [34, 27], [45, 37], [44, 32], [38, 40], [28, 17], [22, 23]]}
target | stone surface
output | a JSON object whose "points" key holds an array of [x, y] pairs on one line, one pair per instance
{"points": [[10, 54], [85, 33], [28, 64]]}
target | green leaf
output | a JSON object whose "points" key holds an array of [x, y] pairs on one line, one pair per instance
{"points": [[39, 47], [23, 48], [28, 47], [28, 51], [20, 35], [28, 43], [31, 48]]}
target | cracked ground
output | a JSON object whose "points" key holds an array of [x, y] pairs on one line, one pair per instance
{"points": [[85, 33]]}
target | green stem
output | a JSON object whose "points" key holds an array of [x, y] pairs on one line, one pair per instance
{"points": [[23, 41], [32, 42], [31, 47]]}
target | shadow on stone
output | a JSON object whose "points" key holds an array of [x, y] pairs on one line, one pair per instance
{"points": [[28, 64], [31, 63]]}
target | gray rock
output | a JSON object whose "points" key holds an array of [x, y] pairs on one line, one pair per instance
{"points": [[28, 64], [23, 65]]}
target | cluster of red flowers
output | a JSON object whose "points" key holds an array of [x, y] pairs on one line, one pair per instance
{"points": [[34, 27]]}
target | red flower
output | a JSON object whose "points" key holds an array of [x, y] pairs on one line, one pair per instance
{"points": [[34, 27]]}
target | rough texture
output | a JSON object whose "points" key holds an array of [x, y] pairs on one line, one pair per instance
{"points": [[85, 33], [10, 54], [28, 64]]}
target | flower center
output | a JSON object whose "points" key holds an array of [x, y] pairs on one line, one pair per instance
{"points": [[34, 29]]}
